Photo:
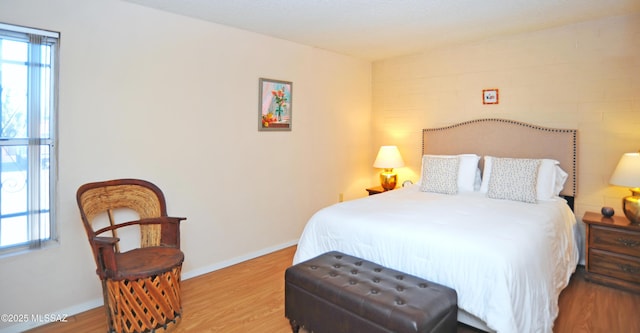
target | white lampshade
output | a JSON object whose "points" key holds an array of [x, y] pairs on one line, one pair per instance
{"points": [[388, 157], [627, 173]]}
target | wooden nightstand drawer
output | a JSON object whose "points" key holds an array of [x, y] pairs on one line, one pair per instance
{"points": [[611, 264], [615, 240], [613, 251]]}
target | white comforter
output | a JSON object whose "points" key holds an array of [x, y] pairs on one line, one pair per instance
{"points": [[507, 260]]}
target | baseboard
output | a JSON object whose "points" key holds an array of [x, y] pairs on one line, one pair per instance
{"points": [[79, 308], [220, 265]]}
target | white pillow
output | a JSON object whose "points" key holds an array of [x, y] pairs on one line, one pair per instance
{"points": [[440, 174], [561, 178], [513, 179], [551, 179], [549, 184], [467, 170]]}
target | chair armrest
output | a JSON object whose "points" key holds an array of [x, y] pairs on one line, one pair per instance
{"points": [[145, 221], [169, 230], [104, 241], [161, 220], [104, 249], [170, 233]]}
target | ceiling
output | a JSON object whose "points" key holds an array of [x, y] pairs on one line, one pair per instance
{"points": [[378, 29]]}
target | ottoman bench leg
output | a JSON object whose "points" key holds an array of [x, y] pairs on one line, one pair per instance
{"points": [[295, 328]]}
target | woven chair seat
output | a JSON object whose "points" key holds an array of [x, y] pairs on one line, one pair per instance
{"points": [[143, 262]]}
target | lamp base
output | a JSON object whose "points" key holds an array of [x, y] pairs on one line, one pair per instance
{"points": [[388, 179], [631, 206]]}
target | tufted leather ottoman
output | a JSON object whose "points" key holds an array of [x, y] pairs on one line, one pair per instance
{"points": [[338, 293]]}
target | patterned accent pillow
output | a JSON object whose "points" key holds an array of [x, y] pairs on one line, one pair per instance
{"points": [[440, 174], [514, 179]]}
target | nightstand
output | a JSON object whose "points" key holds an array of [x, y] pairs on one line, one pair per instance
{"points": [[376, 190], [613, 251]]}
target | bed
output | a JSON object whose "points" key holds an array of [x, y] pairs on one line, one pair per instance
{"points": [[507, 254]]}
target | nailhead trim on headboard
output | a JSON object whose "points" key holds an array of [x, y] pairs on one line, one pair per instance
{"points": [[572, 132]]}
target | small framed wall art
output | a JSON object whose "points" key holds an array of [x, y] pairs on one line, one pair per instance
{"points": [[490, 96], [274, 107]]}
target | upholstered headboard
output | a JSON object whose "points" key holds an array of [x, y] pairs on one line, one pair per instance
{"points": [[507, 138]]}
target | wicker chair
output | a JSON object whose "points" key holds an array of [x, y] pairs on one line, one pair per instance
{"points": [[141, 286]]}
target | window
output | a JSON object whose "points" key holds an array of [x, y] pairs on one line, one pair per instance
{"points": [[28, 86]]}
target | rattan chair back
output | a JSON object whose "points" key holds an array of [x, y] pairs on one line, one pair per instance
{"points": [[145, 198]]}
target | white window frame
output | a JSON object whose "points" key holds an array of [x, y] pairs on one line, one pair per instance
{"points": [[41, 106]]}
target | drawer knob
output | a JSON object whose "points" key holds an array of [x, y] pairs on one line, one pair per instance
{"points": [[628, 242], [629, 268]]}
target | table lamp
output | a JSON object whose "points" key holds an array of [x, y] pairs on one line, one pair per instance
{"points": [[627, 174], [387, 159]]}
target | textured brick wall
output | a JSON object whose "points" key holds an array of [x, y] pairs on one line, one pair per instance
{"points": [[584, 76]]}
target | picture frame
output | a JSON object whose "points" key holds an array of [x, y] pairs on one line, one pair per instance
{"points": [[274, 105], [490, 96]]}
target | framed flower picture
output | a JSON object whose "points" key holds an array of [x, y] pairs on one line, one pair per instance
{"points": [[274, 107]]}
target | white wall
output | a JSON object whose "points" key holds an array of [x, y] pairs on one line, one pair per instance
{"points": [[148, 94], [584, 76]]}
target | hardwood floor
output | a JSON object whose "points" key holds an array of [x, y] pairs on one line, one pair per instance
{"points": [[249, 297]]}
